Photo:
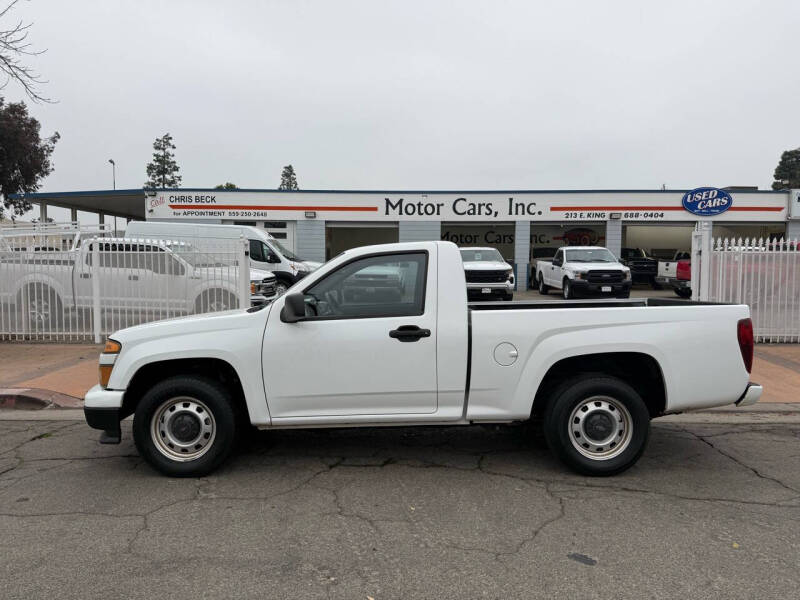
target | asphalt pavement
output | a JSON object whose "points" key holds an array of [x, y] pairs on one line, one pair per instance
{"points": [[711, 510]]}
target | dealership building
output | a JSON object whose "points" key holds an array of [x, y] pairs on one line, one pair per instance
{"points": [[521, 224]]}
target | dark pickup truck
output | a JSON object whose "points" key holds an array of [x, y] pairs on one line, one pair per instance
{"points": [[643, 268]]}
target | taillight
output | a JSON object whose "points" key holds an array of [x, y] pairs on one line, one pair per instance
{"points": [[684, 270], [744, 331]]}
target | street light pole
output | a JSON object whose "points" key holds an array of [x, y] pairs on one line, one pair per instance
{"points": [[113, 172]]}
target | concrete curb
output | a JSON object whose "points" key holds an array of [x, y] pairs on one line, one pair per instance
{"points": [[36, 399]]}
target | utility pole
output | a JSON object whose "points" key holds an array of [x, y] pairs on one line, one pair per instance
{"points": [[113, 172]]}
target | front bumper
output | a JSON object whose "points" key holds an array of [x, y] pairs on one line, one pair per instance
{"points": [[102, 409], [583, 287], [477, 289], [751, 395]]}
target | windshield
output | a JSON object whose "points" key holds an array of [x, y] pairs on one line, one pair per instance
{"points": [[589, 255], [198, 259], [486, 254], [282, 249]]}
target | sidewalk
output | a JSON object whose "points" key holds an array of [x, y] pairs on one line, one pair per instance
{"points": [[62, 373], [32, 374]]}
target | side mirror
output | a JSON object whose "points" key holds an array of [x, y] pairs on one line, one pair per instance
{"points": [[294, 308]]}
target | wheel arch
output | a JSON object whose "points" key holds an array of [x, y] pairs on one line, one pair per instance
{"points": [[638, 369], [216, 369]]}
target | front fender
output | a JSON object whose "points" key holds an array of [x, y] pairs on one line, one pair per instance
{"points": [[234, 337]]}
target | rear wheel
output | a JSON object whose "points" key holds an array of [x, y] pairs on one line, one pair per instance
{"points": [[684, 292], [597, 425], [185, 426], [216, 301], [543, 289]]}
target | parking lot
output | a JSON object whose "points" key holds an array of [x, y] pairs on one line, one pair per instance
{"points": [[711, 510]]}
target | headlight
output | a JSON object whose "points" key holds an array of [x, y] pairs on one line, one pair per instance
{"points": [[581, 274], [301, 268], [510, 275], [107, 360], [627, 275]]}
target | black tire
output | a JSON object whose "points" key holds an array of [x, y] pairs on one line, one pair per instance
{"points": [[566, 289], [543, 289], [654, 284], [624, 443], [200, 392], [684, 293], [41, 308]]}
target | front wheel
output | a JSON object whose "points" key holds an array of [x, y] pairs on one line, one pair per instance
{"points": [[185, 426], [597, 425], [280, 288], [566, 290]]}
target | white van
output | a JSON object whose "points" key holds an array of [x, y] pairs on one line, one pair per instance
{"points": [[266, 253]]}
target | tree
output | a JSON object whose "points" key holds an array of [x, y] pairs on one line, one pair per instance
{"points": [[162, 172], [787, 173], [288, 179], [24, 156], [14, 46], [227, 186]]}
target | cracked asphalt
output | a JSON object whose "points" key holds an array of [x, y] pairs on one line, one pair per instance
{"points": [[711, 510]]}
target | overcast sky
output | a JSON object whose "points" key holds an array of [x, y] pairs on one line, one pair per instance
{"points": [[420, 95]]}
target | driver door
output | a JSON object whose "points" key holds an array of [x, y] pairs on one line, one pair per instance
{"points": [[347, 357]]}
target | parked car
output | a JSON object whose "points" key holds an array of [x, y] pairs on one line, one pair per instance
{"points": [[584, 270], [676, 273], [153, 276], [595, 373], [644, 268], [487, 274], [266, 253]]}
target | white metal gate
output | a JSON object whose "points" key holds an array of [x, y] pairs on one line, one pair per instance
{"points": [[81, 289], [765, 275]]}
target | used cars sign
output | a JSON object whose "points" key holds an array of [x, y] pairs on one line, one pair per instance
{"points": [[707, 201]]}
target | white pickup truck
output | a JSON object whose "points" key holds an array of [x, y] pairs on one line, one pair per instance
{"points": [[154, 276], [326, 355], [584, 270]]}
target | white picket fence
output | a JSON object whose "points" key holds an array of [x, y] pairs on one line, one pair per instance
{"points": [[765, 275], [72, 289]]}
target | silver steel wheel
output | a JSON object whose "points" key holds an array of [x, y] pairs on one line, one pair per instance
{"points": [[183, 429], [600, 427]]}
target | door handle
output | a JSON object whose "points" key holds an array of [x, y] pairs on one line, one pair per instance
{"points": [[409, 333], [86, 275], [133, 278]]}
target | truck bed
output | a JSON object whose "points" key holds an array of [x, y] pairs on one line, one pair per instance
{"points": [[588, 303]]}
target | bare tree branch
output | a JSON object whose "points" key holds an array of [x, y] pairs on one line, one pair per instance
{"points": [[14, 46]]}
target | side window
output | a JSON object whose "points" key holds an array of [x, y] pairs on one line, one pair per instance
{"points": [[559, 255], [389, 285], [257, 251]]}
